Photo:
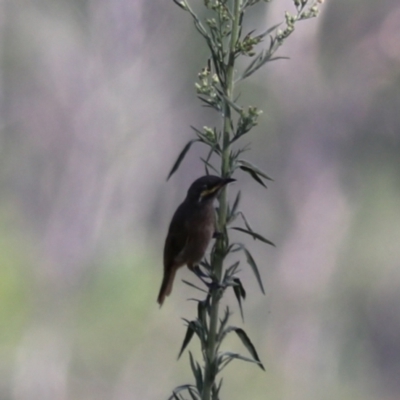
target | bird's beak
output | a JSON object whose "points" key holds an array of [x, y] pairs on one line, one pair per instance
{"points": [[227, 180], [220, 185]]}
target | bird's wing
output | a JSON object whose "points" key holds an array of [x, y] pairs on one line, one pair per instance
{"points": [[177, 237]]}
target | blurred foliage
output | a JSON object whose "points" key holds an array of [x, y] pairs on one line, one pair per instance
{"points": [[111, 311], [14, 280]]}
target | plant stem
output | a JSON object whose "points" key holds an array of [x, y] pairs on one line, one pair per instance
{"points": [[211, 351]]}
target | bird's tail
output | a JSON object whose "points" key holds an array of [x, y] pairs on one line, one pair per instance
{"points": [[166, 286]]}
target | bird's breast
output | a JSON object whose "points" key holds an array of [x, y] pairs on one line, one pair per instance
{"points": [[201, 228]]}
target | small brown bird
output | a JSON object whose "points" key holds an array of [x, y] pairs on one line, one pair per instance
{"points": [[191, 229]]}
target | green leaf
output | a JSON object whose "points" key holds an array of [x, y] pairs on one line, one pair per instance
{"points": [[206, 169], [210, 104], [223, 323], [196, 372], [210, 153], [230, 356], [234, 247], [202, 313], [237, 108], [230, 271], [207, 164], [257, 170], [181, 157], [206, 265], [254, 235], [232, 212], [192, 394], [253, 265], [242, 291], [252, 66], [269, 30], [261, 59], [179, 4], [249, 346], [218, 388], [245, 221], [237, 136], [253, 175], [175, 396], [188, 337], [194, 286], [178, 389], [183, 387], [239, 294], [278, 58]]}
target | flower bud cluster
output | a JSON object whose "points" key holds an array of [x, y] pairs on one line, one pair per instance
{"points": [[220, 8], [246, 46], [209, 133], [248, 119], [206, 83]]}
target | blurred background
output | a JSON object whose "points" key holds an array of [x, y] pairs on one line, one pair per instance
{"points": [[96, 101]]}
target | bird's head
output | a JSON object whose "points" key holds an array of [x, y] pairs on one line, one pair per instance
{"points": [[207, 188]]}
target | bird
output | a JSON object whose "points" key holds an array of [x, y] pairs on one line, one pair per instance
{"points": [[191, 229]]}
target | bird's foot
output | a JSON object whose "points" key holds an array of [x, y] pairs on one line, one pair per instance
{"points": [[217, 235], [215, 285]]}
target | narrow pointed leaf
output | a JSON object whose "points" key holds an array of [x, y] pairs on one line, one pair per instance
{"points": [[184, 387], [179, 4], [249, 346], [237, 289], [253, 265], [206, 169], [214, 393], [175, 396], [252, 65], [188, 337], [253, 175], [194, 286], [234, 247], [269, 30], [219, 386], [192, 394], [196, 369], [209, 103], [254, 235], [230, 271], [223, 323], [210, 153], [235, 205], [231, 355], [278, 58], [202, 313], [237, 108], [206, 265], [208, 165], [178, 389], [242, 292], [268, 58], [181, 157], [176, 393], [223, 362], [246, 222], [249, 33], [257, 170]]}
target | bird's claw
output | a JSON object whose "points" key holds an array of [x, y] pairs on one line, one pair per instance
{"points": [[217, 235]]}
